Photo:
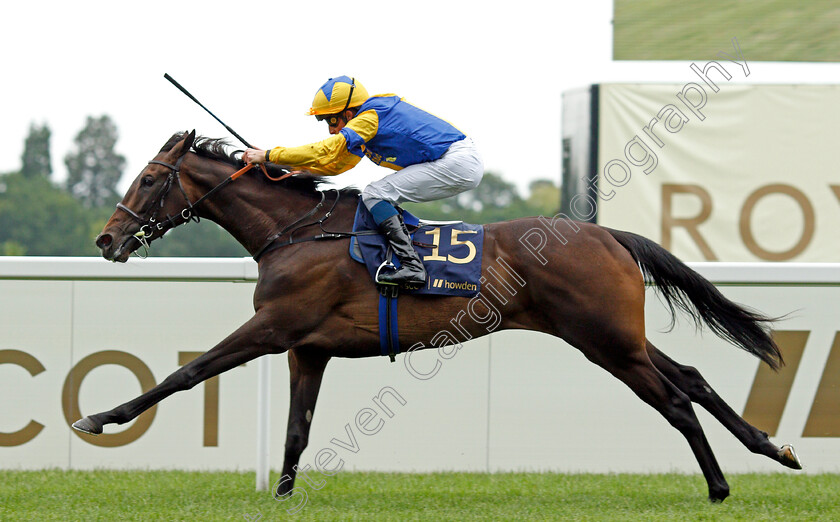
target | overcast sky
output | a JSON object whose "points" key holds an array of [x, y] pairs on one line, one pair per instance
{"points": [[496, 71]]}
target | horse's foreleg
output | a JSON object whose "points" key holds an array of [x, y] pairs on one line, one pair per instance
{"points": [[693, 384], [251, 340], [305, 373]]}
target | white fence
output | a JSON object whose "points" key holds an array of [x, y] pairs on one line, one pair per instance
{"points": [[80, 333]]}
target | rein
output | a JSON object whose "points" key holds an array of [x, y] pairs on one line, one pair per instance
{"points": [[150, 224]]}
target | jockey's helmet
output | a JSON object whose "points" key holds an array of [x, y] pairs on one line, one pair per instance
{"points": [[338, 95]]}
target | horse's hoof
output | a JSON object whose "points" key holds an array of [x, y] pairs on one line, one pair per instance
{"points": [[88, 425], [718, 495], [787, 456]]}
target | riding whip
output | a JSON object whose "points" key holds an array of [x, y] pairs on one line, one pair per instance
{"points": [[193, 98]]}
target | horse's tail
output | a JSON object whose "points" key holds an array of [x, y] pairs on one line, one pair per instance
{"points": [[684, 288]]}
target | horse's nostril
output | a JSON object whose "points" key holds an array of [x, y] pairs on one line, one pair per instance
{"points": [[104, 240]]}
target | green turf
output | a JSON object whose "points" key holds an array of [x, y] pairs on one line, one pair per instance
{"points": [[175, 495], [776, 30]]}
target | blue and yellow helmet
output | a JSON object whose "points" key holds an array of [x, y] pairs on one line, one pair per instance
{"points": [[338, 95]]}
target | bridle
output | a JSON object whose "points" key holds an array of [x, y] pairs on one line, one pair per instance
{"points": [[150, 224]]}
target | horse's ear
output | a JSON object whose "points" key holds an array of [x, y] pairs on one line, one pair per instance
{"points": [[183, 146], [189, 139]]}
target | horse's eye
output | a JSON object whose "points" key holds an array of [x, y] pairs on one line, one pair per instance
{"points": [[148, 181]]}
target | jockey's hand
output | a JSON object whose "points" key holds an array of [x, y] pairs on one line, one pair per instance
{"points": [[255, 156]]}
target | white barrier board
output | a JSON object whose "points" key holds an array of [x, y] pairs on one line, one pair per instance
{"points": [[506, 402]]}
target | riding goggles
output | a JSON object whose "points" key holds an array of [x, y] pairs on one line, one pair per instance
{"points": [[332, 119]]}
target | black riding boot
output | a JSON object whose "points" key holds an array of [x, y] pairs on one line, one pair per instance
{"points": [[411, 271]]}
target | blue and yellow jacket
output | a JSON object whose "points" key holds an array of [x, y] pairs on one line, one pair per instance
{"points": [[387, 129]]}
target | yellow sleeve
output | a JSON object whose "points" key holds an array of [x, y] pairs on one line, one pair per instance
{"points": [[328, 157], [365, 125]]}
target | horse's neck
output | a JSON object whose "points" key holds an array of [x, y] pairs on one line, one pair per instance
{"points": [[250, 212]]}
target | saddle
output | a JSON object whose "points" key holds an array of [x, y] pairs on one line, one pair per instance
{"points": [[451, 254], [450, 251]]}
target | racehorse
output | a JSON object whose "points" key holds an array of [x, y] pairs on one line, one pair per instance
{"points": [[313, 301]]}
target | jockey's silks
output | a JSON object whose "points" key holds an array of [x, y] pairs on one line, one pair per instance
{"points": [[388, 130], [393, 133]]}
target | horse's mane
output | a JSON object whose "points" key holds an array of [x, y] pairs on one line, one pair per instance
{"points": [[218, 149]]}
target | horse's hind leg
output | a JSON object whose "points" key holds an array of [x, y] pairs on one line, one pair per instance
{"points": [[636, 371], [690, 382], [248, 342], [305, 373]]}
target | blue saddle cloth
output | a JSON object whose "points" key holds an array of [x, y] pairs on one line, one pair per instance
{"points": [[451, 253]]}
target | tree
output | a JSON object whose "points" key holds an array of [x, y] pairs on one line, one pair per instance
{"points": [[492, 192], [94, 170], [544, 197], [36, 159], [204, 239], [40, 219], [493, 200]]}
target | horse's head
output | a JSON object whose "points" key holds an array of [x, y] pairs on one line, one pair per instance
{"points": [[150, 206]]}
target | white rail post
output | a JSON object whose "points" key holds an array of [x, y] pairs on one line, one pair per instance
{"points": [[263, 421]]}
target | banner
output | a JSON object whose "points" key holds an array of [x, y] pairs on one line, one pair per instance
{"points": [[717, 171]]}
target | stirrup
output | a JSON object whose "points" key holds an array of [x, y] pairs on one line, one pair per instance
{"points": [[385, 264]]}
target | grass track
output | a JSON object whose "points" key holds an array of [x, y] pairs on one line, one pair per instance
{"points": [[176, 495]]}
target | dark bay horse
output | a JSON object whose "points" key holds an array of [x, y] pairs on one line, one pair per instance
{"points": [[583, 284]]}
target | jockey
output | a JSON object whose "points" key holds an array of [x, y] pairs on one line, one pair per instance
{"points": [[431, 159]]}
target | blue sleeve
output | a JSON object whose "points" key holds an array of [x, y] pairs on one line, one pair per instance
{"points": [[354, 141]]}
